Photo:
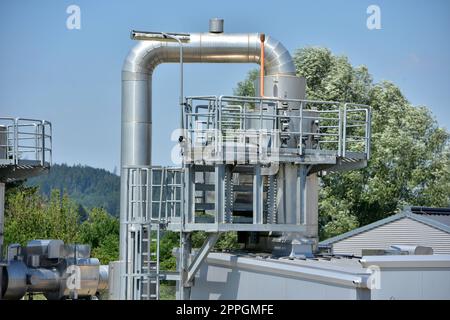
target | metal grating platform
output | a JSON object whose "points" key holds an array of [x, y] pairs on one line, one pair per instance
{"points": [[255, 130], [25, 148]]}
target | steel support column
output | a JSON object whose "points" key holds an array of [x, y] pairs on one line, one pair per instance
{"points": [[257, 196], [185, 252]]}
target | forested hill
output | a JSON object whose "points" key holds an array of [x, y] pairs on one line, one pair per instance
{"points": [[89, 187]]}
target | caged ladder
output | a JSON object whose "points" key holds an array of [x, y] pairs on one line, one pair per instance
{"points": [[153, 198]]}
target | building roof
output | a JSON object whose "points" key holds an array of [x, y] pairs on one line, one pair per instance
{"points": [[441, 215], [438, 218]]}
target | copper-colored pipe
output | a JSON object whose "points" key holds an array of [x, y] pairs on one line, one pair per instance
{"points": [[262, 37]]}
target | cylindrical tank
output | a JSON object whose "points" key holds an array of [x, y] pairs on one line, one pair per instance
{"points": [[43, 280], [216, 25], [285, 87], [288, 200], [14, 282], [103, 278]]}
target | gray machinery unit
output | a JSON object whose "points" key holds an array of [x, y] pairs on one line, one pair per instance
{"points": [[54, 269], [43, 266], [249, 164]]}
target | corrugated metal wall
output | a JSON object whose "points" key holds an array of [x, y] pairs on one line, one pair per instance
{"points": [[403, 231]]}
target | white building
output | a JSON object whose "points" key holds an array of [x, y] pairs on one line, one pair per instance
{"points": [[421, 226]]}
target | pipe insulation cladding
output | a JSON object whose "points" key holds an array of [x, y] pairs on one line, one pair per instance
{"points": [[136, 141]]}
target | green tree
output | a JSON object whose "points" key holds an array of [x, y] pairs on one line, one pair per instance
{"points": [[28, 216], [62, 217], [410, 162], [169, 241], [101, 231], [108, 249], [24, 216], [246, 87]]}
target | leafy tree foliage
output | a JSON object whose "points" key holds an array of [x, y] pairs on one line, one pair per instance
{"points": [[246, 87], [410, 162], [101, 231], [28, 217], [169, 241]]}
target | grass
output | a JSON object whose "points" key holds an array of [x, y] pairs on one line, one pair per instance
{"points": [[167, 291]]}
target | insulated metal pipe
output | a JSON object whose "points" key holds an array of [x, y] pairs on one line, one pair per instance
{"points": [[137, 73]]}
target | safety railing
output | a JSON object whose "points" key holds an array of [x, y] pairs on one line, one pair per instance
{"points": [[25, 139], [255, 125], [356, 129], [154, 194]]}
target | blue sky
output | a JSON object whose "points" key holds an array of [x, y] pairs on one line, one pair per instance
{"points": [[72, 77]]}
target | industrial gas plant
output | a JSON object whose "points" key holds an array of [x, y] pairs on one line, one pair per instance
{"points": [[249, 165]]}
